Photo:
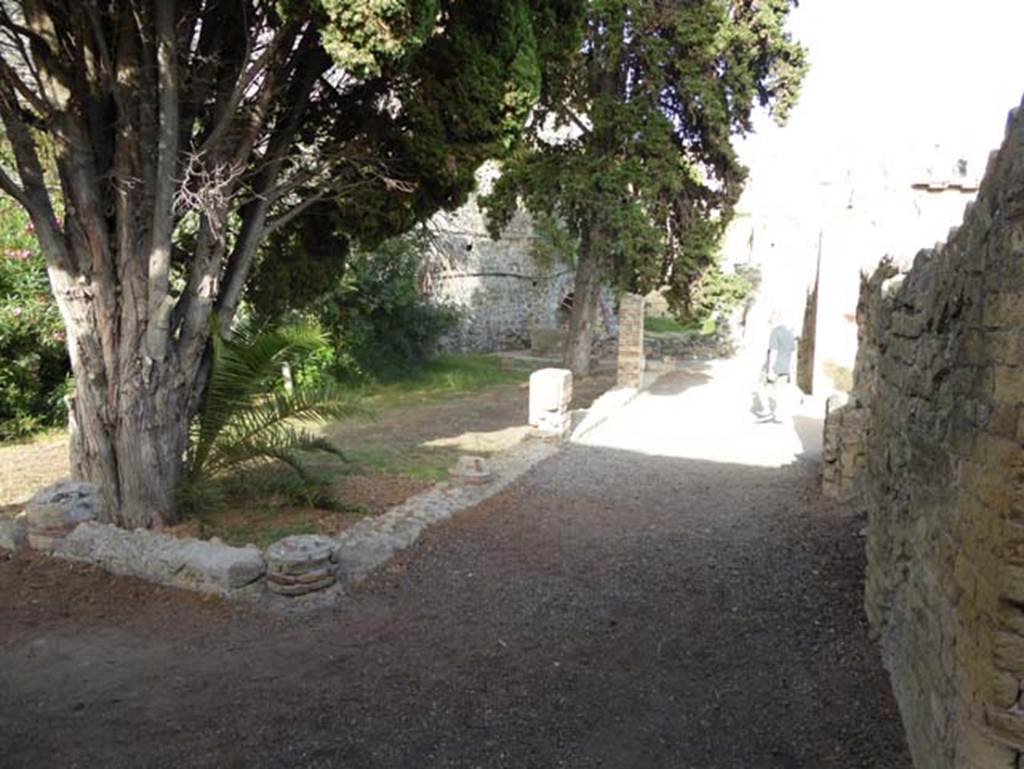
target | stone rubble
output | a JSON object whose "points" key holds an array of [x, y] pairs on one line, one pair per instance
{"points": [[471, 471]]}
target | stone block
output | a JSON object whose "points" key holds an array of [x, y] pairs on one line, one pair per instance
{"points": [[13, 533], [631, 341], [221, 566], [162, 558], [989, 749], [300, 564], [1008, 384], [550, 395], [471, 471], [53, 512]]}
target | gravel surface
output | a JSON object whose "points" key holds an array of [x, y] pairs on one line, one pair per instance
{"points": [[625, 604]]}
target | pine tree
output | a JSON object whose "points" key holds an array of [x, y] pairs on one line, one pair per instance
{"points": [[632, 148], [182, 133]]}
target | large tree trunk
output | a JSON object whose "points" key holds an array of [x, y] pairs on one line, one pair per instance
{"points": [[154, 113], [134, 448], [585, 300]]}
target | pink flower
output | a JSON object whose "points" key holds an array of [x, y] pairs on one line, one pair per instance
{"points": [[16, 312], [30, 226], [58, 336]]}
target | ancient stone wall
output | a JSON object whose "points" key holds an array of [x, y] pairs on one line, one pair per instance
{"points": [[931, 446], [499, 289], [496, 285]]}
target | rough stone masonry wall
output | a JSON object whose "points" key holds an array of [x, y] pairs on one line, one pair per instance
{"points": [[937, 418], [499, 288]]}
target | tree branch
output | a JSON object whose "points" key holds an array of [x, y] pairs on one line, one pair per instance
{"points": [[310, 65], [243, 84], [32, 194], [8, 185], [159, 301]]}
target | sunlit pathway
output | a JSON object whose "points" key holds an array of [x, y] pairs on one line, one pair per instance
{"points": [[672, 592], [704, 412]]}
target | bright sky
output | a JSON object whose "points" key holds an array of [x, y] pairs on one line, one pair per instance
{"points": [[889, 80]]}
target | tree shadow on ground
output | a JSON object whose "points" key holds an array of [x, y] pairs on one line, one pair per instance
{"points": [[609, 609], [674, 382]]}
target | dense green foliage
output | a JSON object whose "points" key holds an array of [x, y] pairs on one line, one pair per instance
{"points": [[34, 367], [464, 95], [249, 420], [185, 134], [715, 292], [448, 84], [377, 324], [632, 150]]}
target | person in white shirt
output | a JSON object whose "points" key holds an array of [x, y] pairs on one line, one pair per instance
{"points": [[777, 372]]}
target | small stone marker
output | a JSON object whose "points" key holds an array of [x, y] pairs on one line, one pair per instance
{"points": [[300, 564], [471, 471], [55, 511], [550, 395]]}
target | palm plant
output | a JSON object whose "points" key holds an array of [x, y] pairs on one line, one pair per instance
{"points": [[247, 421]]}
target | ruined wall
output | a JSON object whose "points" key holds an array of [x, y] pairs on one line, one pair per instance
{"points": [[497, 286], [937, 421]]}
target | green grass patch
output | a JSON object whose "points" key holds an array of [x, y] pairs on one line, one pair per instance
{"points": [[270, 504], [664, 325], [428, 465], [668, 325], [45, 435], [444, 377]]}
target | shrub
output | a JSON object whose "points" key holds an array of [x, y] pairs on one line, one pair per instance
{"points": [[378, 324], [715, 294], [248, 420], [34, 368]]}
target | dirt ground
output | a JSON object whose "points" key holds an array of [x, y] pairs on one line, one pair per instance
{"points": [[625, 604], [400, 452]]}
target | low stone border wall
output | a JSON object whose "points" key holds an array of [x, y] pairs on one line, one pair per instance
{"points": [[688, 345], [305, 571], [301, 576], [372, 541], [193, 564]]}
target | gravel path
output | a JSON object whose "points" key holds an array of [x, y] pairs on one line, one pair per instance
{"points": [[672, 593]]}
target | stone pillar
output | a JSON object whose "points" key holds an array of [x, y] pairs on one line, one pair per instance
{"points": [[550, 395], [631, 340]]}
